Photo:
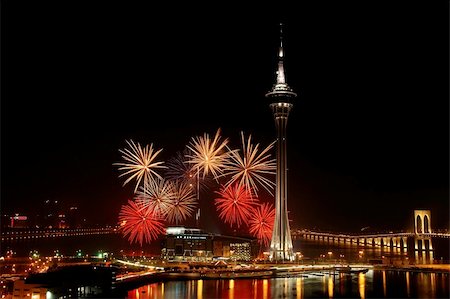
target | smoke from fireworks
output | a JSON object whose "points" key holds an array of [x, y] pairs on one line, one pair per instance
{"points": [[139, 163], [183, 203], [261, 223], [235, 204], [139, 223], [208, 156], [250, 166], [179, 169], [156, 197]]}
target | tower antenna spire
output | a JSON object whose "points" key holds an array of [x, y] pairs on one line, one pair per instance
{"points": [[280, 52], [281, 87], [281, 77]]}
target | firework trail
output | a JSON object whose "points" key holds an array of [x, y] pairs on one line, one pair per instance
{"points": [[234, 204], [139, 163], [208, 155], [156, 197], [261, 223], [183, 203], [139, 224], [250, 166]]}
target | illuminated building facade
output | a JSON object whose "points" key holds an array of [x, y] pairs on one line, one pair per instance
{"points": [[26, 290], [281, 97], [18, 221], [51, 209], [193, 244], [73, 217], [240, 251]]}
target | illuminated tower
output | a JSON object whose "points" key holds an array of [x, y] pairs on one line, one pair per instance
{"points": [[281, 97]]}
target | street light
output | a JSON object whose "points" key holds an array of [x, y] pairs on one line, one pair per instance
{"points": [[298, 256], [330, 255]]}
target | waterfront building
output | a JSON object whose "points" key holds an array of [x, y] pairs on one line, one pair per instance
{"points": [[18, 221], [194, 244], [29, 290], [73, 217]]}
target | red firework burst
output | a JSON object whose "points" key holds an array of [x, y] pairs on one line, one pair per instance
{"points": [[139, 223], [235, 204], [261, 223]]}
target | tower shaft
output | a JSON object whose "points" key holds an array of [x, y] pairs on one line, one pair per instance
{"points": [[281, 245]]}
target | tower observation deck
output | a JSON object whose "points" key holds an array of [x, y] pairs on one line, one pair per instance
{"points": [[281, 98]]}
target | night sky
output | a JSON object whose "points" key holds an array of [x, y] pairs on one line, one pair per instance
{"points": [[368, 138]]}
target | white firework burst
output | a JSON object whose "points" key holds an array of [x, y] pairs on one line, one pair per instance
{"points": [[183, 202], [139, 164], [208, 155], [157, 196], [250, 166]]}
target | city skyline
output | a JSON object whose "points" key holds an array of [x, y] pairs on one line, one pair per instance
{"points": [[370, 123]]}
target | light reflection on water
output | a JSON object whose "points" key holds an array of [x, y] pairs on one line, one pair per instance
{"points": [[330, 286], [373, 284], [362, 285], [265, 287]]}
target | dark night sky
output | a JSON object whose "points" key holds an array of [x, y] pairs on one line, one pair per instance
{"points": [[368, 136]]}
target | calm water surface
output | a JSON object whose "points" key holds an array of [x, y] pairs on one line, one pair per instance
{"points": [[373, 284]]}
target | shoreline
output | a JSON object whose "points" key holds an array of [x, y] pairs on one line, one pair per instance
{"points": [[425, 268], [280, 271], [136, 279]]}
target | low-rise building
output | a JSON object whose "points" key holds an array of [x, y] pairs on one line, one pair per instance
{"points": [[31, 291], [193, 244]]}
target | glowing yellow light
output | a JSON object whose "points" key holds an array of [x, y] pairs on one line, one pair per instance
{"points": [[299, 288], [265, 288], [407, 284], [199, 289], [362, 285], [330, 287], [231, 287]]}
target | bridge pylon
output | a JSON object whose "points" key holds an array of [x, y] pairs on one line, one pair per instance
{"points": [[422, 229]]}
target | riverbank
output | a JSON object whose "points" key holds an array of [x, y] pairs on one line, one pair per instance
{"points": [[269, 272], [434, 268]]}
